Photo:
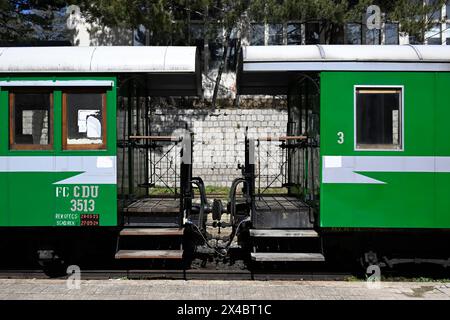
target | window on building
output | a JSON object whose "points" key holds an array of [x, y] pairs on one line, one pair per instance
{"points": [[391, 33], [84, 120], [378, 118], [31, 120], [294, 34], [312, 33], [257, 34], [372, 36], [435, 14], [446, 36], [275, 36], [353, 33], [413, 40], [433, 36]]}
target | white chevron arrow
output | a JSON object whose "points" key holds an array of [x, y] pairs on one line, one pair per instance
{"points": [[349, 169], [93, 169]]}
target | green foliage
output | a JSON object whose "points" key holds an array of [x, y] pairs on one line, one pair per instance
{"points": [[25, 20], [168, 20], [158, 16], [412, 16], [319, 10]]}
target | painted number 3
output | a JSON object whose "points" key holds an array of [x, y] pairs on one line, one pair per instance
{"points": [[340, 137]]}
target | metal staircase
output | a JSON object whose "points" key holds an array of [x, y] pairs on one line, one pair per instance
{"points": [[148, 243], [281, 245]]}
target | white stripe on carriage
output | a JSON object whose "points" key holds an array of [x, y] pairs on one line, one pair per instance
{"points": [[352, 168], [93, 169]]}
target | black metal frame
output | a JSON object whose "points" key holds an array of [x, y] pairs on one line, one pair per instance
{"points": [[136, 136]]}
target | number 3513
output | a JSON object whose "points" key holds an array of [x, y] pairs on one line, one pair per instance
{"points": [[83, 205]]}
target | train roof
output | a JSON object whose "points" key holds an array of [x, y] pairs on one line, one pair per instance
{"points": [[171, 70], [263, 68], [111, 59]]}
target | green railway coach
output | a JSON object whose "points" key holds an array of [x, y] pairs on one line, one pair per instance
{"points": [[367, 154], [60, 177], [379, 150]]}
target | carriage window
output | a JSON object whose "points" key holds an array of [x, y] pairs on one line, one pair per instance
{"points": [[30, 120], [84, 125], [378, 118]]}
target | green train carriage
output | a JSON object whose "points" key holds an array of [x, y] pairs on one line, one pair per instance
{"points": [[375, 120], [367, 153], [67, 164]]}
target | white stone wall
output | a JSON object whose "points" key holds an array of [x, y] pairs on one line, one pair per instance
{"points": [[219, 139], [35, 123]]}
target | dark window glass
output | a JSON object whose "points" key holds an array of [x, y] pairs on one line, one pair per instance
{"points": [[275, 34], [413, 40], [257, 35], [30, 120], [312, 33], [433, 36], [353, 33], [434, 41], [435, 13], [378, 118], [391, 33], [294, 33], [372, 36], [84, 125]]}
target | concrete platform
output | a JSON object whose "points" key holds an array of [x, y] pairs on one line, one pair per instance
{"points": [[220, 290]]}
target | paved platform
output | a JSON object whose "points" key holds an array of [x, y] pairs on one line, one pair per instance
{"points": [[49, 289]]}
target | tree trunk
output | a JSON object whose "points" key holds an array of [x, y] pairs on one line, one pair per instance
{"points": [[221, 66]]}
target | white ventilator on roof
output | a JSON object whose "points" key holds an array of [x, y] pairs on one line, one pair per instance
{"points": [[263, 68], [98, 59]]}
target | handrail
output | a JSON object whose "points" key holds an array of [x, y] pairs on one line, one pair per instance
{"points": [[157, 138], [282, 138]]}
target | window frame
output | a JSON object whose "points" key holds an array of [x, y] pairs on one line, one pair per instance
{"points": [[401, 116], [13, 146], [64, 127]]}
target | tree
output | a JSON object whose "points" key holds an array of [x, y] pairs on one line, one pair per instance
{"points": [[163, 19], [25, 20], [167, 21], [415, 18]]}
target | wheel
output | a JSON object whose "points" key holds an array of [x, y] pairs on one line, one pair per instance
{"points": [[52, 264]]}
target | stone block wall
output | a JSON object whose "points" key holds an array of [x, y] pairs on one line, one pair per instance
{"points": [[219, 140]]}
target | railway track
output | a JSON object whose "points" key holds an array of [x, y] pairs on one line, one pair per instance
{"points": [[183, 275]]}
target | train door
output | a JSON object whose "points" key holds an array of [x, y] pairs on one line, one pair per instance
{"points": [[303, 155]]}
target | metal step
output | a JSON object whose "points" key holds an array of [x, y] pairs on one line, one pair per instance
{"points": [[281, 233], [287, 256], [137, 223], [149, 254], [152, 232]]}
